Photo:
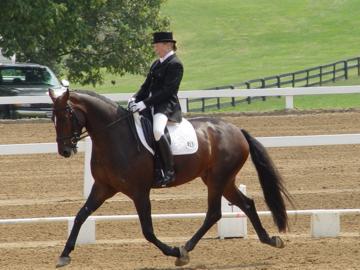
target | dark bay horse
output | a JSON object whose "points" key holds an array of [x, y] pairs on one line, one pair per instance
{"points": [[119, 164]]}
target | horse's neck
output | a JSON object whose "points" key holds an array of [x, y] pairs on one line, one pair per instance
{"points": [[100, 118], [113, 140]]}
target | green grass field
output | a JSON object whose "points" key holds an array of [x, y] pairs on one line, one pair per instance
{"points": [[345, 101], [231, 41]]}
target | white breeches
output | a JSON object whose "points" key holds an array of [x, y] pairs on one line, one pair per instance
{"points": [[159, 123]]}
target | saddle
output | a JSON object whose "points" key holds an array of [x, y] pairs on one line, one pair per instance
{"points": [[182, 136]]}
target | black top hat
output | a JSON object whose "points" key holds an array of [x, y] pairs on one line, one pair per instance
{"points": [[163, 37]]}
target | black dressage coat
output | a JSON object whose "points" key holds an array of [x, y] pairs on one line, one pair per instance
{"points": [[161, 87]]}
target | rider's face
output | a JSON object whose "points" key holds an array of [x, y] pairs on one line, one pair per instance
{"points": [[162, 48]]}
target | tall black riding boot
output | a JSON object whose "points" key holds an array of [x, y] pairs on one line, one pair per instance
{"points": [[167, 161]]}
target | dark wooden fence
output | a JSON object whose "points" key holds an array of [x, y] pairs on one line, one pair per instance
{"points": [[315, 76]]}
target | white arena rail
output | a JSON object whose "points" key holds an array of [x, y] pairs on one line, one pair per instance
{"points": [[85, 146], [323, 222], [288, 93], [176, 216]]}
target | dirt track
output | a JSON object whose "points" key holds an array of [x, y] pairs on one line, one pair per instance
{"points": [[317, 177]]}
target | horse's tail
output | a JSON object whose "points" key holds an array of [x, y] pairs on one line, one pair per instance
{"points": [[270, 180]]}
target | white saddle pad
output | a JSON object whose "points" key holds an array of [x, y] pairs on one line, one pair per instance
{"points": [[183, 137]]}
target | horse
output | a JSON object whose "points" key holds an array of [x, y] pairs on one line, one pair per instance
{"points": [[120, 164]]}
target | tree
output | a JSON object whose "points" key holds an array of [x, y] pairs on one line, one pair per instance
{"points": [[82, 36]]}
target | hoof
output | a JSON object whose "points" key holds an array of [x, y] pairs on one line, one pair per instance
{"points": [[184, 257], [63, 261], [277, 242]]}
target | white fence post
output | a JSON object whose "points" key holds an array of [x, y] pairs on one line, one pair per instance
{"points": [[88, 178], [325, 224], [183, 104], [289, 102], [232, 227], [87, 234]]}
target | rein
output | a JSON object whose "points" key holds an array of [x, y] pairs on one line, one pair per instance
{"points": [[85, 133]]}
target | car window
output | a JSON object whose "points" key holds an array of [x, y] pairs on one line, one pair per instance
{"points": [[27, 76]]}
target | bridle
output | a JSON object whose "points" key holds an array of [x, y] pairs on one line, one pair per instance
{"points": [[76, 134]]}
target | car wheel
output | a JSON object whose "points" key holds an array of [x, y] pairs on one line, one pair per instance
{"points": [[5, 112]]}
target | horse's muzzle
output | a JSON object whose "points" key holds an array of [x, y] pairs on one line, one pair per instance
{"points": [[66, 152]]}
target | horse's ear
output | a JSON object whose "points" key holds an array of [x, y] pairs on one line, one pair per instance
{"points": [[52, 94], [67, 94]]}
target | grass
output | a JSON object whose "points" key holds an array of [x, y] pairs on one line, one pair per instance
{"points": [[345, 101], [230, 41], [300, 102]]}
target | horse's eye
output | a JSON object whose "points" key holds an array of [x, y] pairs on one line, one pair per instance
{"points": [[67, 114]]}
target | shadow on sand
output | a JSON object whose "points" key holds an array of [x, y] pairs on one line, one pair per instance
{"points": [[204, 267]]}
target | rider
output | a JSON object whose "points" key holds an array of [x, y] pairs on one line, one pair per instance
{"points": [[159, 93]]}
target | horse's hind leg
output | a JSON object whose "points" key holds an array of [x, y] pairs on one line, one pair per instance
{"points": [[247, 205], [96, 198]]}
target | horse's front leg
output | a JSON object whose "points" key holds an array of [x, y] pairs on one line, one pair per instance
{"points": [[143, 207], [96, 198]]}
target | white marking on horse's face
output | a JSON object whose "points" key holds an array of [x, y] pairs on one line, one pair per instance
{"points": [[55, 120]]}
